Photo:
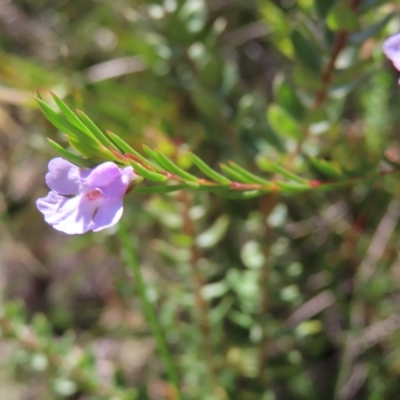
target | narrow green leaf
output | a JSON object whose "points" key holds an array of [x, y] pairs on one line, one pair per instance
{"points": [[168, 165], [71, 116], [158, 189], [173, 168], [237, 176], [192, 185], [123, 146], [152, 154], [306, 52], [101, 137], [126, 148], [248, 194], [292, 187], [249, 175], [60, 122], [273, 167], [73, 158], [38, 95], [145, 173], [325, 187], [326, 168], [202, 166], [90, 150]]}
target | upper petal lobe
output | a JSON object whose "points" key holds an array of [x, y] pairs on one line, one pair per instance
{"points": [[63, 177], [102, 175]]}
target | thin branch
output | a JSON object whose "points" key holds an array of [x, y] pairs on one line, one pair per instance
{"points": [[376, 249], [327, 79], [201, 304]]}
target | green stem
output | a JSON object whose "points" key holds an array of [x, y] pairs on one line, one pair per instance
{"points": [[148, 308]]}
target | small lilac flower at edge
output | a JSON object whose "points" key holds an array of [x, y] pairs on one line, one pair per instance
{"points": [[391, 48], [82, 200]]}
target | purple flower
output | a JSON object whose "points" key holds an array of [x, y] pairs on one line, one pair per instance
{"points": [[83, 200], [391, 47]]}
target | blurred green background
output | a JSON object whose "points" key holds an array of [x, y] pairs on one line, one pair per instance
{"points": [[275, 298]]}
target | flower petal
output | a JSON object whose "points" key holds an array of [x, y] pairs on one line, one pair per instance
{"points": [[108, 214], [102, 175], [391, 47], [115, 189], [69, 215], [128, 175], [63, 177]]}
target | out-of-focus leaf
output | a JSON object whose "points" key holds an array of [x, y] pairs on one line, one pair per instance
{"points": [[64, 387], [39, 362], [341, 17], [306, 79], [282, 122], [205, 102], [286, 97], [244, 283], [323, 7], [214, 234], [279, 26], [193, 14], [248, 194], [42, 325], [310, 327], [306, 52], [170, 252], [326, 168], [360, 37], [214, 290], [368, 4], [230, 77], [252, 255], [347, 85], [241, 319]]}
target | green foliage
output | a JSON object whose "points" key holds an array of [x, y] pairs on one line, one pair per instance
{"points": [[265, 215]]}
